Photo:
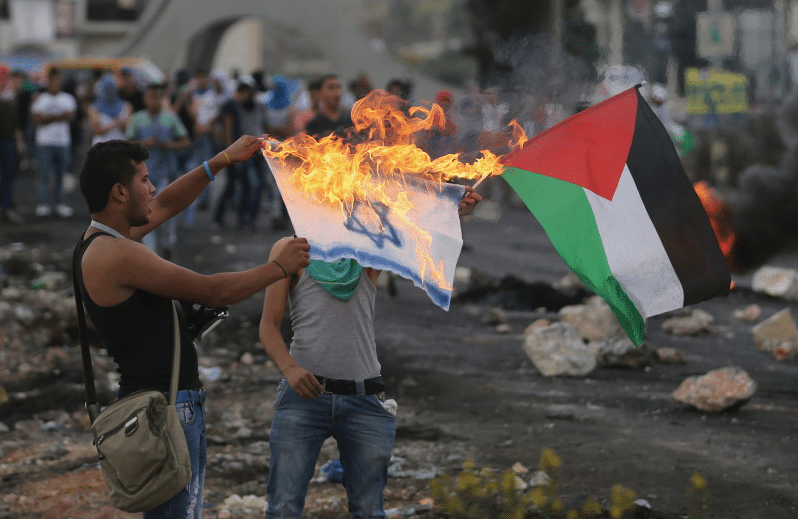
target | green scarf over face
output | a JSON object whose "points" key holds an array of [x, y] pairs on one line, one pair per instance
{"points": [[340, 278]]}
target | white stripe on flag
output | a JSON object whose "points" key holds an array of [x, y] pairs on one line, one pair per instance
{"points": [[381, 238], [634, 250]]}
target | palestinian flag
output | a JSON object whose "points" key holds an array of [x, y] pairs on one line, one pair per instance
{"points": [[608, 188]]}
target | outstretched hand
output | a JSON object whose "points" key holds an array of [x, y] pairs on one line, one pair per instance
{"points": [[243, 148], [295, 255], [470, 199]]}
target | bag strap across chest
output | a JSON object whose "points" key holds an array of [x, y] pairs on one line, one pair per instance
{"points": [[92, 406]]}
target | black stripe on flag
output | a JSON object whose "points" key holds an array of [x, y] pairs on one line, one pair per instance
{"points": [[676, 210]]}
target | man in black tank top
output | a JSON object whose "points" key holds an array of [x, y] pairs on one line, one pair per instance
{"points": [[128, 288]]}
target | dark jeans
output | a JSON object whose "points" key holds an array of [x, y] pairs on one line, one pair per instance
{"points": [[235, 195], [8, 172]]}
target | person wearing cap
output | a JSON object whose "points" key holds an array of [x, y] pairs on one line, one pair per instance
{"points": [[12, 144], [52, 112]]}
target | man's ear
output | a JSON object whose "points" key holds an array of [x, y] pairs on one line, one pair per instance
{"points": [[118, 193]]}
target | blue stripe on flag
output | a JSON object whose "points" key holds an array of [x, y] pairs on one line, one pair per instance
{"points": [[442, 298]]}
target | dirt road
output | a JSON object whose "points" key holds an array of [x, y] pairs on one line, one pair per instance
{"points": [[466, 390]]}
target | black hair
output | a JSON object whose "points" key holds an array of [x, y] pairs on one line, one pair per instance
{"points": [[158, 87], [315, 84], [405, 87], [325, 77], [109, 163], [258, 76]]}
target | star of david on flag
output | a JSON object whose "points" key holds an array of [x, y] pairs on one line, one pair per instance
{"points": [[421, 245]]}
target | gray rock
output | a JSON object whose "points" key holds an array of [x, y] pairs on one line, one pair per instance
{"points": [[504, 328], [671, 356], [593, 321], [25, 315], [777, 282], [493, 317], [777, 335], [558, 350], [696, 323], [718, 390], [750, 313], [620, 352]]}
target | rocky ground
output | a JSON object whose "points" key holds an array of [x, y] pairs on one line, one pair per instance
{"points": [[465, 387]]}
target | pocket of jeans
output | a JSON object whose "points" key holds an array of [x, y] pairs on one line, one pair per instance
{"points": [[186, 412], [281, 390], [389, 406]]}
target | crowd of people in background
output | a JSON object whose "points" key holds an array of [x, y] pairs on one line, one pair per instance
{"points": [[46, 128]]}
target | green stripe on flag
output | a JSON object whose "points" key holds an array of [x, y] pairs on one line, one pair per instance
{"points": [[564, 212]]}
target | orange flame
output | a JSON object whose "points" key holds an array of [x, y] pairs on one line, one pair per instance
{"points": [[373, 164], [719, 218]]}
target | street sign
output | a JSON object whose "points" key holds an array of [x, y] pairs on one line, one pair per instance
{"points": [[715, 34], [715, 92]]}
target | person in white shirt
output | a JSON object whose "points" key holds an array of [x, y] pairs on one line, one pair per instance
{"points": [[52, 112]]}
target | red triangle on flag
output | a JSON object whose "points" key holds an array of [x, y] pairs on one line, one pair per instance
{"points": [[588, 149]]}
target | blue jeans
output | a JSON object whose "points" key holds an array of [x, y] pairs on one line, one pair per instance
{"points": [[204, 149], [53, 162], [187, 504], [256, 179], [235, 194], [185, 162], [164, 236], [365, 432]]}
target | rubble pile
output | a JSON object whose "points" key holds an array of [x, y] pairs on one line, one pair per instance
{"points": [[587, 336], [39, 358], [46, 452]]}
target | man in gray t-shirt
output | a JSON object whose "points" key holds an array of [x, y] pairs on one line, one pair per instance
{"points": [[332, 384]]}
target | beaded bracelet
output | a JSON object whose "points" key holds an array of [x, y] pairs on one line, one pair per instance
{"points": [[208, 171]]}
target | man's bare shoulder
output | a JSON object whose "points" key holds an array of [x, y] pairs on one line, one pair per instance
{"points": [[279, 245], [109, 253]]}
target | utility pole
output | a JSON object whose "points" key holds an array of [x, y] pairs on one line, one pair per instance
{"points": [[616, 23], [557, 16]]}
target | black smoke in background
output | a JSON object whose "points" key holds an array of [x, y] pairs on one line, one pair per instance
{"points": [[764, 206]]}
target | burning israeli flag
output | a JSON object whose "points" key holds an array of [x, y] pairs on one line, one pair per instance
{"points": [[409, 226]]}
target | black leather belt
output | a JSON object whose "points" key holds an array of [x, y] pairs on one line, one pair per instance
{"points": [[338, 386]]}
